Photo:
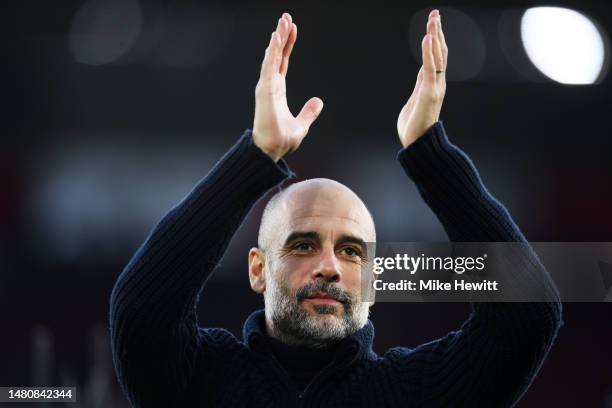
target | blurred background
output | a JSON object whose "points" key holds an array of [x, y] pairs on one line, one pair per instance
{"points": [[114, 109]]}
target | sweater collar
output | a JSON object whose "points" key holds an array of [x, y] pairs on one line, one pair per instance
{"points": [[354, 347]]}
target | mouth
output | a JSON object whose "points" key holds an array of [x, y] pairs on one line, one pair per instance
{"points": [[322, 299]]}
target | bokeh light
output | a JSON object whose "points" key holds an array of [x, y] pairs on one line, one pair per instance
{"points": [[563, 44]]}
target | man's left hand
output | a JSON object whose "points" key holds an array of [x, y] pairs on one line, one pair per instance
{"points": [[423, 108]]}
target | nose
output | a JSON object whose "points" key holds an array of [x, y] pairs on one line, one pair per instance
{"points": [[328, 267]]}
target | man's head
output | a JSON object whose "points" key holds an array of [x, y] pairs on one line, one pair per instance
{"points": [[309, 262]]}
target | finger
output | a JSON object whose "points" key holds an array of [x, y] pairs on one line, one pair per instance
{"points": [[429, 66], [310, 112], [288, 48], [430, 27], [432, 30], [267, 66], [443, 45], [288, 17], [437, 52], [273, 56], [283, 30]]}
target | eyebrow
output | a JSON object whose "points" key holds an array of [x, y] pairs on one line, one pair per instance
{"points": [[352, 240], [343, 239], [296, 235]]}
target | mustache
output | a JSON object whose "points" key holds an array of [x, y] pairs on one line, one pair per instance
{"points": [[320, 286]]}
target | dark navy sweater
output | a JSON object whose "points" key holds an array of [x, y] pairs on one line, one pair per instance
{"points": [[164, 359]]}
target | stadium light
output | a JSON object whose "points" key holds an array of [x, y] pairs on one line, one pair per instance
{"points": [[563, 44]]}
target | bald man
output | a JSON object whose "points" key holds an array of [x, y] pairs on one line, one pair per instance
{"points": [[312, 301], [312, 344]]}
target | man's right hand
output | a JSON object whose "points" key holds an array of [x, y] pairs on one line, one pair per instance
{"points": [[275, 130]]}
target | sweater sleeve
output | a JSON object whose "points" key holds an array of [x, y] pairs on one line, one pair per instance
{"points": [[153, 322], [492, 359]]}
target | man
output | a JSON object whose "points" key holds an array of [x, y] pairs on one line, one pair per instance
{"points": [[312, 344]]}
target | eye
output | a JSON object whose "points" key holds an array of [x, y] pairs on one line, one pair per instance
{"points": [[351, 251], [303, 246]]}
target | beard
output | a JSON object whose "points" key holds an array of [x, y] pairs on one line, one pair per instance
{"points": [[292, 323]]}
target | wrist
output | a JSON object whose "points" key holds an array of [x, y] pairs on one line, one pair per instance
{"points": [[273, 153], [410, 136]]}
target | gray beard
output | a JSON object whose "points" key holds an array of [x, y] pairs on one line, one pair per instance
{"points": [[292, 323]]}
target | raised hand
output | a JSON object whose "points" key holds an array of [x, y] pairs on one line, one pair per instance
{"points": [[275, 130], [423, 108]]}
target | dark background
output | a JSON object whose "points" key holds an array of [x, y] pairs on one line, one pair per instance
{"points": [[113, 109]]}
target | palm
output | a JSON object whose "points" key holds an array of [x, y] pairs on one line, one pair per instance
{"points": [[275, 130], [419, 111], [273, 116]]}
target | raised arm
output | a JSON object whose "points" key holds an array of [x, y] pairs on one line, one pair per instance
{"points": [[156, 342], [492, 359]]}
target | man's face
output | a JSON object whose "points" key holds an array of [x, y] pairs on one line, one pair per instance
{"points": [[314, 265]]}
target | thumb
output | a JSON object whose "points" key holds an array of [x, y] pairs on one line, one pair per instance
{"points": [[310, 112]]}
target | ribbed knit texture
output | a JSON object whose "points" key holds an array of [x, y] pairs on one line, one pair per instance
{"points": [[163, 359]]}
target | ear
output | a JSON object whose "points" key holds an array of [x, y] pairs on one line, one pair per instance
{"points": [[256, 270]]}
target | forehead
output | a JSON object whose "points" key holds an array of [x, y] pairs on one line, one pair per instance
{"points": [[327, 210]]}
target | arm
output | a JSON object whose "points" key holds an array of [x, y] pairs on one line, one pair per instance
{"points": [[497, 352], [154, 332], [499, 349]]}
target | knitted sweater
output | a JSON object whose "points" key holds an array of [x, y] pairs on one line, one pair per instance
{"points": [[164, 359]]}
